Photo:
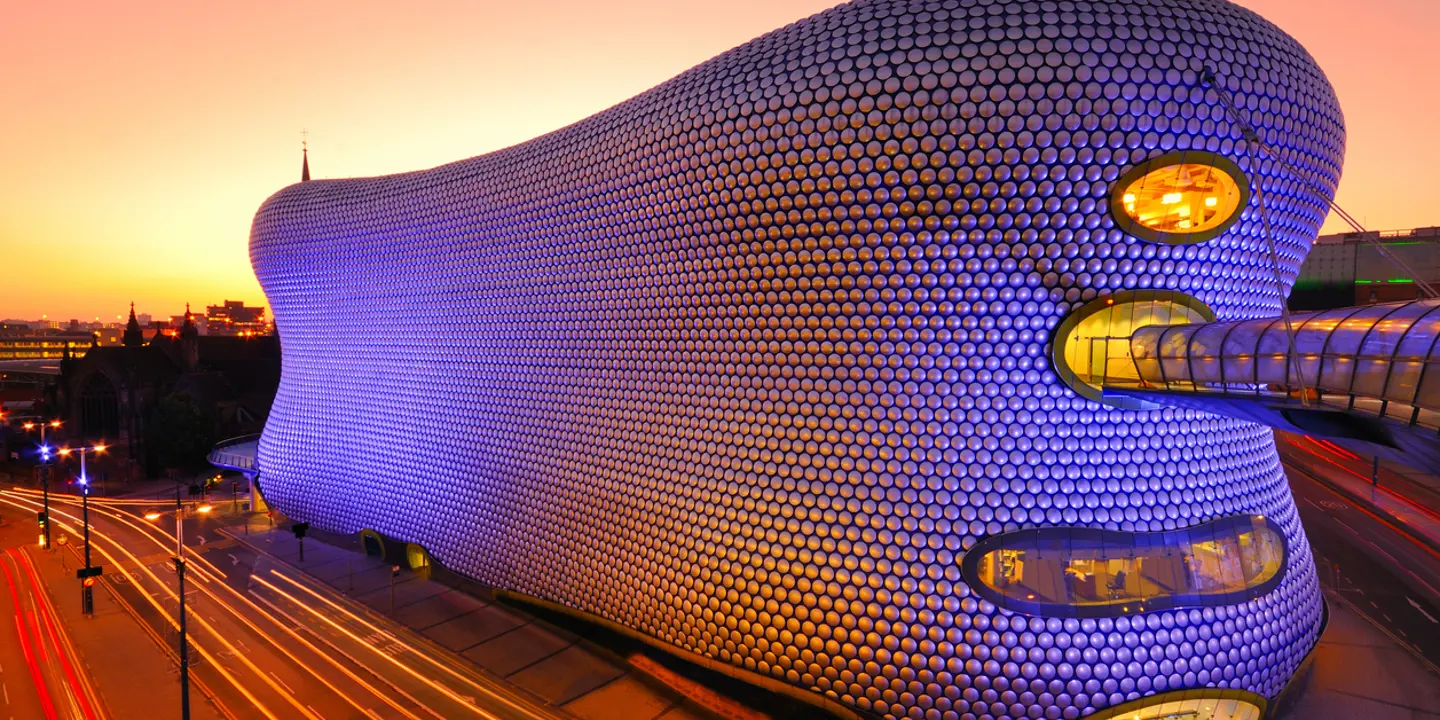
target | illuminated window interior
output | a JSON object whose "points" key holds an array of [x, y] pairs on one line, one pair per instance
{"points": [[1097, 348], [1065, 571], [1183, 198], [419, 560], [1195, 709]]}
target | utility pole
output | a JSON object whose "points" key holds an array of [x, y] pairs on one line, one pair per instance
{"points": [[1375, 472], [180, 575], [44, 477], [88, 573]]}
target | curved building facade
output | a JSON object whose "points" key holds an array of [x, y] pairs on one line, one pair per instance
{"points": [[748, 362]]}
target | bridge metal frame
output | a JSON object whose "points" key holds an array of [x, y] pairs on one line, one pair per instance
{"points": [[1389, 341]]}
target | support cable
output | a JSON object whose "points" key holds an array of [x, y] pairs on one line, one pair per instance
{"points": [[1209, 80], [1258, 145]]}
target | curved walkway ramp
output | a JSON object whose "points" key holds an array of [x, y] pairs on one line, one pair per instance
{"points": [[1363, 375], [236, 454]]}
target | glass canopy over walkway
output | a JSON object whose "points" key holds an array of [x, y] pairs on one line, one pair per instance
{"points": [[1361, 374], [236, 454]]}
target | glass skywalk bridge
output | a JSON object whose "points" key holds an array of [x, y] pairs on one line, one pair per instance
{"points": [[1366, 376]]}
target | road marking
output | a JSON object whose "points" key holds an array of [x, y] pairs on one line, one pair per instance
{"points": [[1416, 605], [317, 714], [234, 561], [6, 688], [282, 684]]}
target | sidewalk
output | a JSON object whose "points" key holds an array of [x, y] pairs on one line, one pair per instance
{"points": [[583, 680], [132, 674], [1358, 672], [1412, 513]]}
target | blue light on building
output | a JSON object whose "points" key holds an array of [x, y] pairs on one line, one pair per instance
{"points": [[748, 363]]}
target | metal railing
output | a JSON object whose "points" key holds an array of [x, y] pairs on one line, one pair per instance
{"points": [[237, 453]]}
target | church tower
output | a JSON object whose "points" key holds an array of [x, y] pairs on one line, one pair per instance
{"points": [[134, 337], [189, 342]]}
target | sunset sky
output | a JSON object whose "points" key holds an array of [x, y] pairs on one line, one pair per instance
{"points": [[138, 138]]}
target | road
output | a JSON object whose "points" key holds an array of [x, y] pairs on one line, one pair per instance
{"points": [[1386, 573], [40, 676], [265, 642]]}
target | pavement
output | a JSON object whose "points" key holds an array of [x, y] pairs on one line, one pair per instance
{"points": [[1361, 673], [1380, 656], [582, 679]]}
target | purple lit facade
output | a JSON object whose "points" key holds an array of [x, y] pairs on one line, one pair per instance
{"points": [[748, 362]]}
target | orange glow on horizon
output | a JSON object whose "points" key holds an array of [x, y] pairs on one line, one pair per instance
{"points": [[147, 134]]}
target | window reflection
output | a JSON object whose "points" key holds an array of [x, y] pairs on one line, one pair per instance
{"points": [[1081, 572]]}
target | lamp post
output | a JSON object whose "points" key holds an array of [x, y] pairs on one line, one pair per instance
{"points": [[44, 476], [88, 573], [180, 578]]}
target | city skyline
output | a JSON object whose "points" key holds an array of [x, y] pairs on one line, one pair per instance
{"points": [[199, 310], [190, 150]]}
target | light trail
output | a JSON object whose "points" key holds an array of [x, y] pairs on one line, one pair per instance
{"points": [[41, 688], [159, 607], [468, 681], [1418, 507], [82, 692], [463, 701], [208, 572], [148, 531]]}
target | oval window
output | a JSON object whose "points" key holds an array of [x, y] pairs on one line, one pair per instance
{"points": [[1091, 349], [1180, 198], [1090, 573], [1196, 704]]}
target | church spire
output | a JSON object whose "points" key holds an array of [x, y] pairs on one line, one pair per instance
{"points": [[188, 330], [305, 156], [134, 337]]}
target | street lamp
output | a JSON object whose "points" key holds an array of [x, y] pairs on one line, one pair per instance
{"points": [[87, 592], [44, 476], [180, 576]]}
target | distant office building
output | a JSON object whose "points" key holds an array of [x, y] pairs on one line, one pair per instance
{"points": [[42, 344], [178, 321], [235, 318], [1348, 269]]}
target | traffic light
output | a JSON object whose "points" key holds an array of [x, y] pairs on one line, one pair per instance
{"points": [[89, 582]]}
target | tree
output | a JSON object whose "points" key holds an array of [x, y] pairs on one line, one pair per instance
{"points": [[181, 432]]}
